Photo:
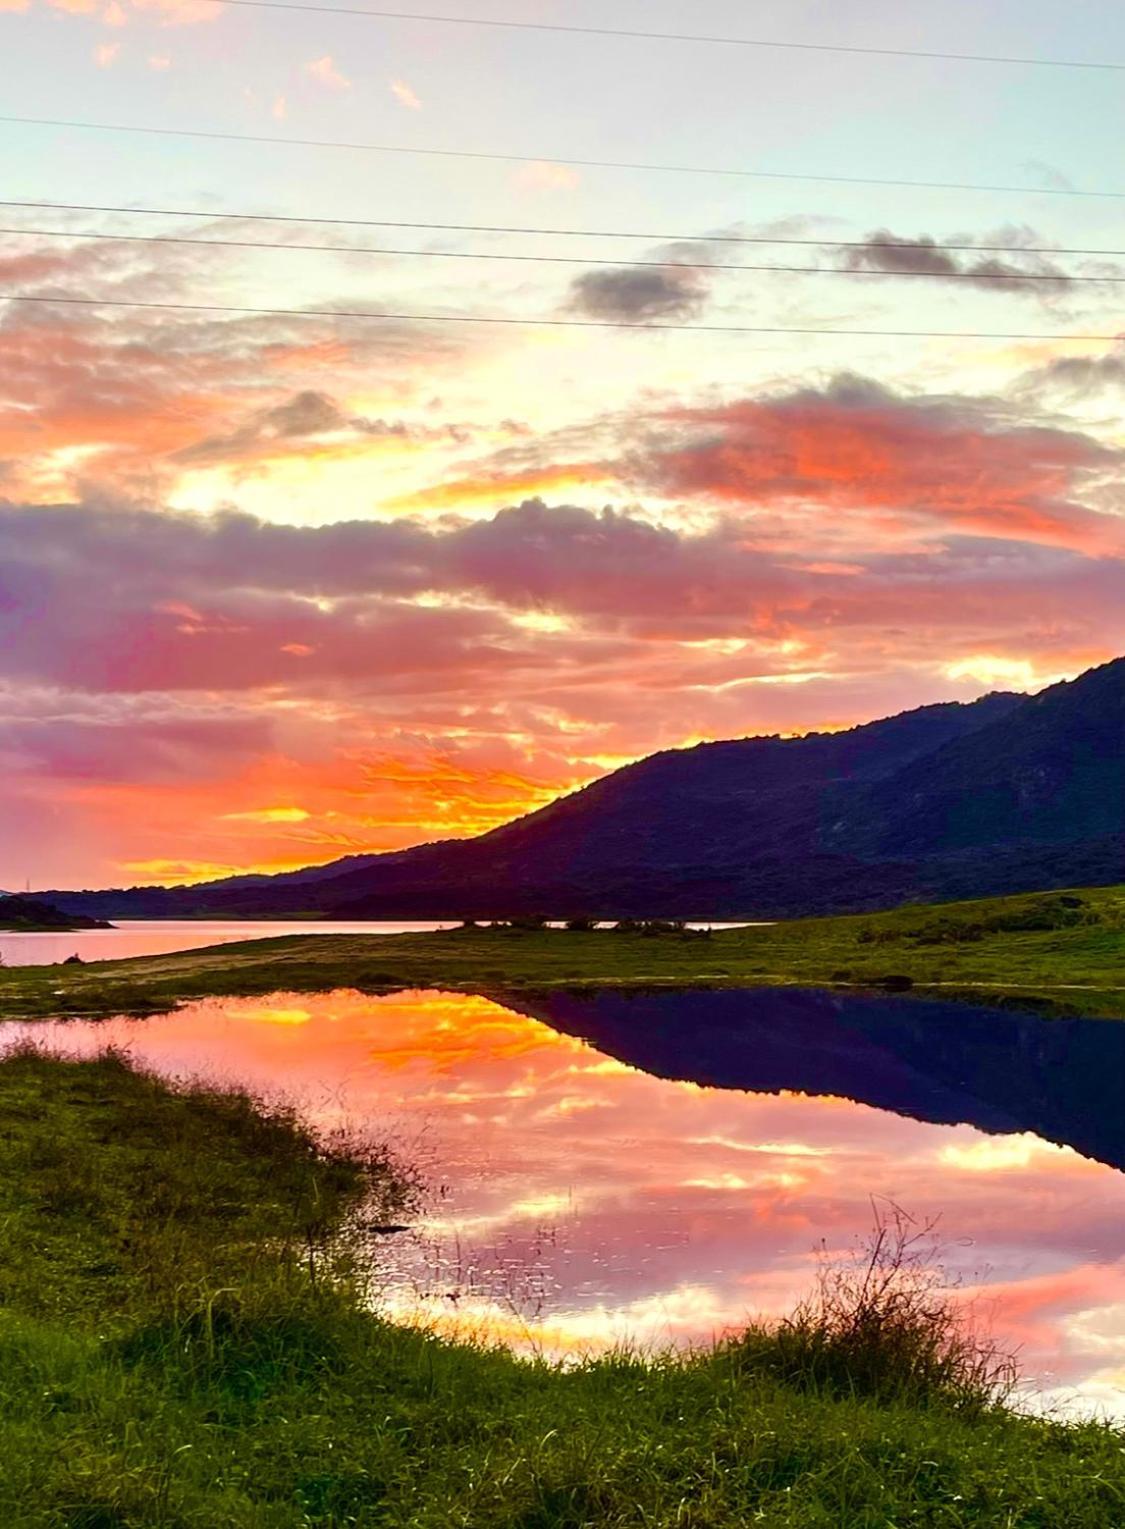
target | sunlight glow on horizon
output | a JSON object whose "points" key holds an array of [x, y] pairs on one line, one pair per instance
{"points": [[282, 589]]}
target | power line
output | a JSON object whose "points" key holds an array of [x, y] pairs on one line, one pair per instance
{"points": [[680, 37], [659, 265], [539, 159], [248, 310], [569, 233]]}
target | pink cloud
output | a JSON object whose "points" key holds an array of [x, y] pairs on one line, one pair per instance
{"points": [[876, 466], [859, 447], [847, 551], [325, 72]]}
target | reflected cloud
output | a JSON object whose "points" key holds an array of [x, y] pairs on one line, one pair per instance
{"points": [[580, 1202]]}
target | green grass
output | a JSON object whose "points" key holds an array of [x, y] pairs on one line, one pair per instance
{"points": [[1063, 952], [182, 1344]]}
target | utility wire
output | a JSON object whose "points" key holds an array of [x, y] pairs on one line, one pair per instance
{"points": [[659, 265], [539, 159], [546, 323], [679, 37], [570, 233]]}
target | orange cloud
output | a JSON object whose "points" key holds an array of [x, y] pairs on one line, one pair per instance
{"points": [[403, 93], [544, 175], [902, 460], [325, 72], [90, 397], [491, 488], [850, 465]]}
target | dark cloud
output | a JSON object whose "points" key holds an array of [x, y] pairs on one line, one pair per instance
{"points": [[305, 415], [1077, 377], [923, 255], [118, 599], [639, 294]]}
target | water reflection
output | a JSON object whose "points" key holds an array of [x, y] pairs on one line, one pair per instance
{"points": [[584, 1200], [943, 1062]]}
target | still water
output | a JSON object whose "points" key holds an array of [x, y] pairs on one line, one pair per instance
{"points": [[660, 1167], [159, 937]]}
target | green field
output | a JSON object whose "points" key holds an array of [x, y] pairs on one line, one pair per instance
{"points": [[183, 1345], [1061, 952]]}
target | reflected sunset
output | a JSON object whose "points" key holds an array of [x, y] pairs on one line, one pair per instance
{"points": [[575, 1202]]}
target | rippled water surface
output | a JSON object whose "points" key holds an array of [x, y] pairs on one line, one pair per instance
{"points": [[660, 1167]]}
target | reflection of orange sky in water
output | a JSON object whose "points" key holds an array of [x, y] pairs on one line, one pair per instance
{"points": [[597, 1203]]}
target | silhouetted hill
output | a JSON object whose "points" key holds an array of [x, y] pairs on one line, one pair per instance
{"points": [[1008, 793], [28, 915]]}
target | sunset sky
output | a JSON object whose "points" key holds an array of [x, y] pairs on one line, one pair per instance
{"points": [[276, 588]]}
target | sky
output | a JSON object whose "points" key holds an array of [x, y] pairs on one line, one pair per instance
{"points": [[278, 586]]}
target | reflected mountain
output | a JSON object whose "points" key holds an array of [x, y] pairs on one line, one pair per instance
{"points": [[1062, 1079]]}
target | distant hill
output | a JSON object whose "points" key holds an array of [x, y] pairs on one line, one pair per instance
{"points": [[1008, 793], [27, 915]]}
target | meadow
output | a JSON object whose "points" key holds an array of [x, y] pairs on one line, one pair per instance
{"points": [[1055, 952], [185, 1340]]}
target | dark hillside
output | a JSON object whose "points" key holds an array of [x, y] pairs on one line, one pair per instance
{"points": [[1008, 793], [31, 916]]}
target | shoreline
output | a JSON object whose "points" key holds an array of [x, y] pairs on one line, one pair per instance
{"points": [[184, 1340], [1052, 953]]}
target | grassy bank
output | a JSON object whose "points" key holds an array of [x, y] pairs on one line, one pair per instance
{"points": [[1064, 952], [181, 1344]]}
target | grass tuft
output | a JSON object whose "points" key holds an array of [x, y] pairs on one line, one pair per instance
{"points": [[884, 1325]]}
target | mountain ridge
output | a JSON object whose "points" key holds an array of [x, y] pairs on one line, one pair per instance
{"points": [[1010, 792]]}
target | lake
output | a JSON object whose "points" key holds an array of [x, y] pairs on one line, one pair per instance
{"points": [[660, 1167], [159, 937]]}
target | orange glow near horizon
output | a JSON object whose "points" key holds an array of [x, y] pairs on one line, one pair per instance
{"points": [[370, 801], [491, 504], [275, 594]]}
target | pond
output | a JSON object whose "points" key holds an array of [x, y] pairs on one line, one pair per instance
{"points": [[659, 1167]]}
